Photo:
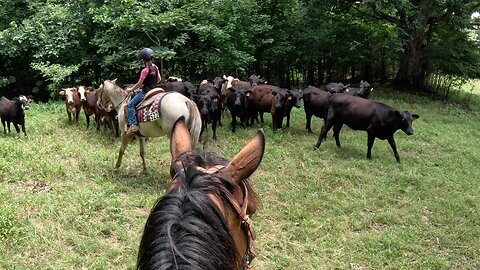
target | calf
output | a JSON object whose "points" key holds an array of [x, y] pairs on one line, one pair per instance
{"points": [[73, 101], [209, 105], [89, 106], [12, 111], [379, 120], [237, 102], [315, 102]]}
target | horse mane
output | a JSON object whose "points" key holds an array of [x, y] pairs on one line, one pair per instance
{"points": [[185, 229], [116, 87]]}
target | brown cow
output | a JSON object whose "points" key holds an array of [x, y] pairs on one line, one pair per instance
{"points": [[269, 98]]}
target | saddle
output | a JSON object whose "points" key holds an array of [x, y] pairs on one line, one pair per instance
{"points": [[147, 109]]}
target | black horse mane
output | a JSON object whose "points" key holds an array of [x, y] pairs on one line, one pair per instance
{"points": [[185, 229]]}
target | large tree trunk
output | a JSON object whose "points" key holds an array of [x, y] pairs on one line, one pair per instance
{"points": [[411, 74]]}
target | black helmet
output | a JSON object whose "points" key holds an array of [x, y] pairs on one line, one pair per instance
{"points": [[147, 54]]}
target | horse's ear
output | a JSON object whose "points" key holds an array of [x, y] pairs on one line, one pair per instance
{"points": [[180, 141], [248, 159]]}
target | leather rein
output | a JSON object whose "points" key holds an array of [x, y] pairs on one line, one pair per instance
{"points": [[247, 224]]}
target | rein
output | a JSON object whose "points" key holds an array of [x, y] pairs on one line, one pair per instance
{"points": [[247, 224]]}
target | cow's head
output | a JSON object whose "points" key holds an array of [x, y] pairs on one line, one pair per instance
{"points": [[217, 83], [256, 80], [241, 91], [365, 89], [281, 99], [81, 93], [229, 81], [293, 99], [69, 94], [24, 102], [204, 104], [406, 119]]}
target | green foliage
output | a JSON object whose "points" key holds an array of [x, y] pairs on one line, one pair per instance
{"points": [[56, 73]]}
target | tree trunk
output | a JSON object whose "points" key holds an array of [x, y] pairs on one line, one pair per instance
{"points": [[411, 74]]}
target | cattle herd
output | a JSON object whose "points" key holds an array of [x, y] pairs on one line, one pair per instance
{"points": [[247, 101]]}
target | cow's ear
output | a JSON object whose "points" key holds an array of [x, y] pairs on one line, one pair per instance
{"points": [[247, 160], [180, 141], [62, 92], [195, 97], [415, 116], [248, 93]]}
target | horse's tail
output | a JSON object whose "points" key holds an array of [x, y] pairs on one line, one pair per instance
{"points": [[195, 123]]}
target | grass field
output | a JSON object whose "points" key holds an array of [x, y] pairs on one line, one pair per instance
{"points": [[62, 205]]}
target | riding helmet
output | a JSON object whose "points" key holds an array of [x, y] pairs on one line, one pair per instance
{"points": [[147, 54]]}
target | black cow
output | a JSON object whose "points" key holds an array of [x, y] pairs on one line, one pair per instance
{"points": [[315, 102], [185, 88], [237, 102], [337, 87], [210, 106], [363, 91], [379, 120], [12, 111]]}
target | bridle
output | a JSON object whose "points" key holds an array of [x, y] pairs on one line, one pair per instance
{"points": [[247, 224]]}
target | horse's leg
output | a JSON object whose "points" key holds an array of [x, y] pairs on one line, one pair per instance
{"points": [[125, 140], [142, 152]]}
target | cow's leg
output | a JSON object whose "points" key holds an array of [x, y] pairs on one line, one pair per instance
{"points": [[97, 121], [336, 133], [17, 128], [4, 126], [234, 122], [69, 116], [371, 140], [77, 116], [308, 127], [392, 143], [87, 117], [214, 129], [288, 119], [323, 133], [142, 152], [23, 128], [261, 119], [125, 140]]}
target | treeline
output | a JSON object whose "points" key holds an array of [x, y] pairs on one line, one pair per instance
{"points": [[46, 44]]}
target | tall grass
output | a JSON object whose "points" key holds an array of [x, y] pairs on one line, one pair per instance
{"points": [[64, 207]]}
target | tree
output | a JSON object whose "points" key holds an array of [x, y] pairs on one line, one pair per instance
{"points": [[416, 22]]}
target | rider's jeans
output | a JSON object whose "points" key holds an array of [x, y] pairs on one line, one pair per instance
{"points": [[132, 117]]}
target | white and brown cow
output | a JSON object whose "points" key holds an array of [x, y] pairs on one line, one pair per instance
{"points": [[73, 100]]}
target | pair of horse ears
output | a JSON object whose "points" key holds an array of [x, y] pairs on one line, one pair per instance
{"points": [[240, 167]]}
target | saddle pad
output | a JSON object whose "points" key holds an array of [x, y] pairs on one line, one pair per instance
{"points": [[149, 113]]}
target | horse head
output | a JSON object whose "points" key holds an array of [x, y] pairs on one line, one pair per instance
{"points": [[203, 220], [109, 91]]}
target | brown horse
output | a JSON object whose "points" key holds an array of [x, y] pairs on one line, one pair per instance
{"points": [[203, 220]]}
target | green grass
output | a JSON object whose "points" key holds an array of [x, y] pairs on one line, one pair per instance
{"points": [[63, 207]]}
